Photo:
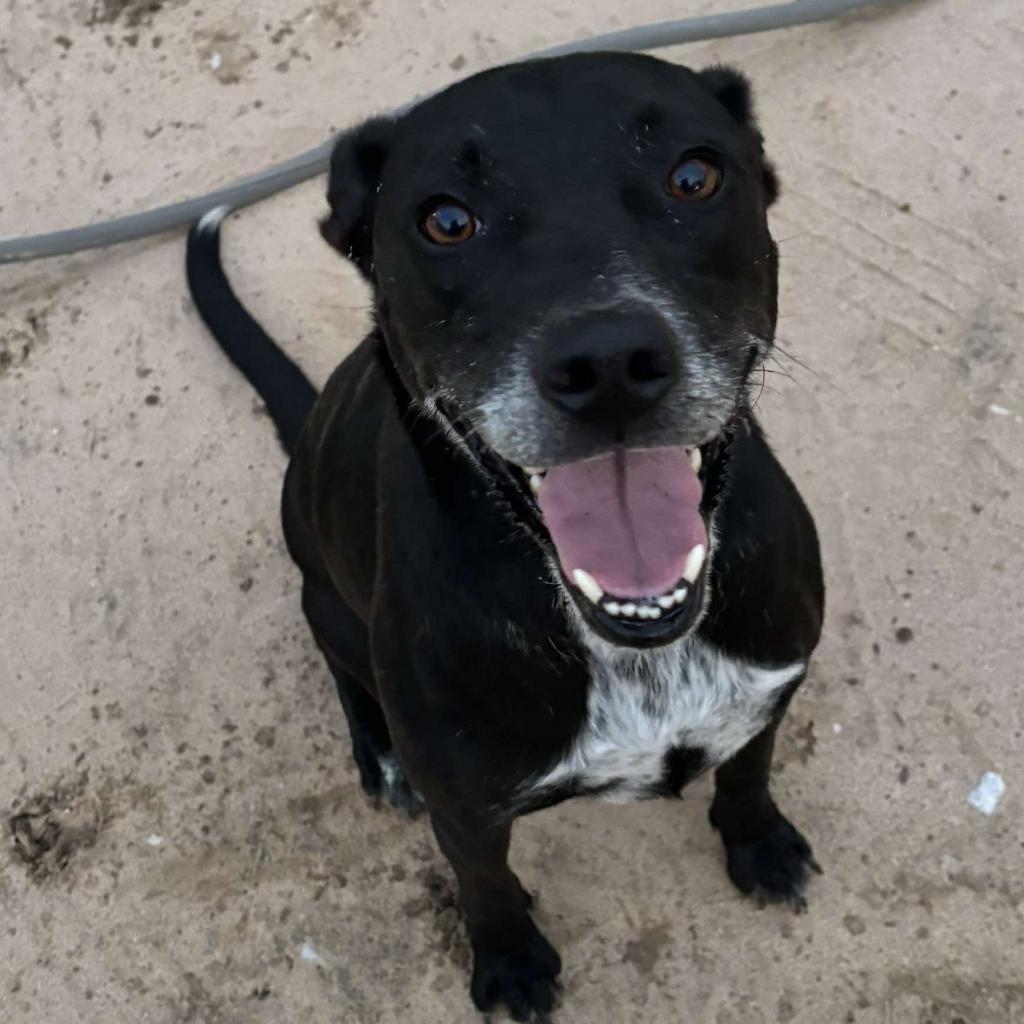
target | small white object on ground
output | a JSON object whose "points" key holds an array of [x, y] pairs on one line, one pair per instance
{"points": [[215, 61], [154, 840], [986, 795], [999, 410], [308, 952]]}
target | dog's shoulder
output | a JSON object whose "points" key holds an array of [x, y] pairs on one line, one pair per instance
{"points": [[328, 504]]}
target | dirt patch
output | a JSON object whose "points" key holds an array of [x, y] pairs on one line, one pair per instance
{"points": [[225, 55], [48, 829], [644, 951], [441, 900], [796, 743], [18, 340], [129, 13], [336, 22], [938, 995], [344, 15]]}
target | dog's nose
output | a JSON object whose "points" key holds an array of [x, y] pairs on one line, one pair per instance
{"points": [[607, 365]]}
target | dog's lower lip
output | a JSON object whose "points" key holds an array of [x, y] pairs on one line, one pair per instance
{"points": [[636, 631]]}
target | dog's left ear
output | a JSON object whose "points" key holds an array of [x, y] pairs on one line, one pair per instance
{"points": [[733, 91], [357, 163]]}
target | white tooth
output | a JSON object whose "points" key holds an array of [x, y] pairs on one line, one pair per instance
{"points": [[666, 601], [534, 470], [535, 481], [588, 585], [694, 454], [628, 609], [654, 613], [612, 607], [679, 595], [694, 560]]}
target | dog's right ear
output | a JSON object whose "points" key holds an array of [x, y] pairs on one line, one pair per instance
{"points": [[357, 163], [732, 90]]}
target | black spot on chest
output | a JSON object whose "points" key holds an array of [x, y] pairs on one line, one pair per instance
{"points": [[682, 766]]}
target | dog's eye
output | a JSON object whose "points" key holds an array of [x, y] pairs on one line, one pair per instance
{"points": [[694, 177], [447, 222]]}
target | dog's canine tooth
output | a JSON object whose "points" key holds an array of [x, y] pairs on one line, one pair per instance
{"points": [[679, 595], [694, 560], [534, 470], [536, 479], [628, 609], [666, 601], [612, 607], [588, 585], [695, 461]]}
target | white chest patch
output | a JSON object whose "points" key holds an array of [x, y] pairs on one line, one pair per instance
{"points": [[641, 705]]}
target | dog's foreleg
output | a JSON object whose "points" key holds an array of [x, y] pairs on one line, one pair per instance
{"points": [[765, 855], [512, 961]]}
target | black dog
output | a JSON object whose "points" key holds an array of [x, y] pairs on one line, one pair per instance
{"points": [[546, 550]]}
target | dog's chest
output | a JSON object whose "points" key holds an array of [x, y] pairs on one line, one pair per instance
{"points": [[642, 708]]}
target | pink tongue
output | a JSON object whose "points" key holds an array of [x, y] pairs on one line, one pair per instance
{"points": [[629, 518]]}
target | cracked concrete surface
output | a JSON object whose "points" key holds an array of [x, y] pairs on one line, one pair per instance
{"points": [[184, 836]]}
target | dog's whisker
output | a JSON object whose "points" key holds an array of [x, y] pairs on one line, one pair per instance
{"points": [[760, 390], [783, 373], [810, 369], [790, 238]]}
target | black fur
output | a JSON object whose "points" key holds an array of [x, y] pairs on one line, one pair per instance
{"points": [[427, 578], [277, 380]]}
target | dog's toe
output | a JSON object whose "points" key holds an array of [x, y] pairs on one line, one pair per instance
{"points": [[525, 979], [367, 760], [775, 868], [382, 778], [396, 788]]}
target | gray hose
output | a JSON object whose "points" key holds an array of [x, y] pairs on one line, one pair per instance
{"points": [[314, 161]]}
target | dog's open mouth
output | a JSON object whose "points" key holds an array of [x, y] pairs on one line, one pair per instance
{"points": [[627, 529], [630, 538]]}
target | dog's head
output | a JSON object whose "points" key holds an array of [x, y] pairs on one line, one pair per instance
{"points": [[572, 269]]}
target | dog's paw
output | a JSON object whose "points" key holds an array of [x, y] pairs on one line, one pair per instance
{"points": [[524, 979], [395, 787], [775, 868], [382, 778]]}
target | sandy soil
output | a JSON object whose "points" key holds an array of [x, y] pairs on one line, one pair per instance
{"points": [[184, 838]]}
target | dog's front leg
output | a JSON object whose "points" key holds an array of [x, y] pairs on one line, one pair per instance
{"points": [[765, 855], [512, 961]]}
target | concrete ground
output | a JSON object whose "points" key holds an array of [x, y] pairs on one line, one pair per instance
{"points": [[184, 838]]}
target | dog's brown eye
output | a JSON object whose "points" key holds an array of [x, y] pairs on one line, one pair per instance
{"points": [[694, 177], [447, 222]]}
